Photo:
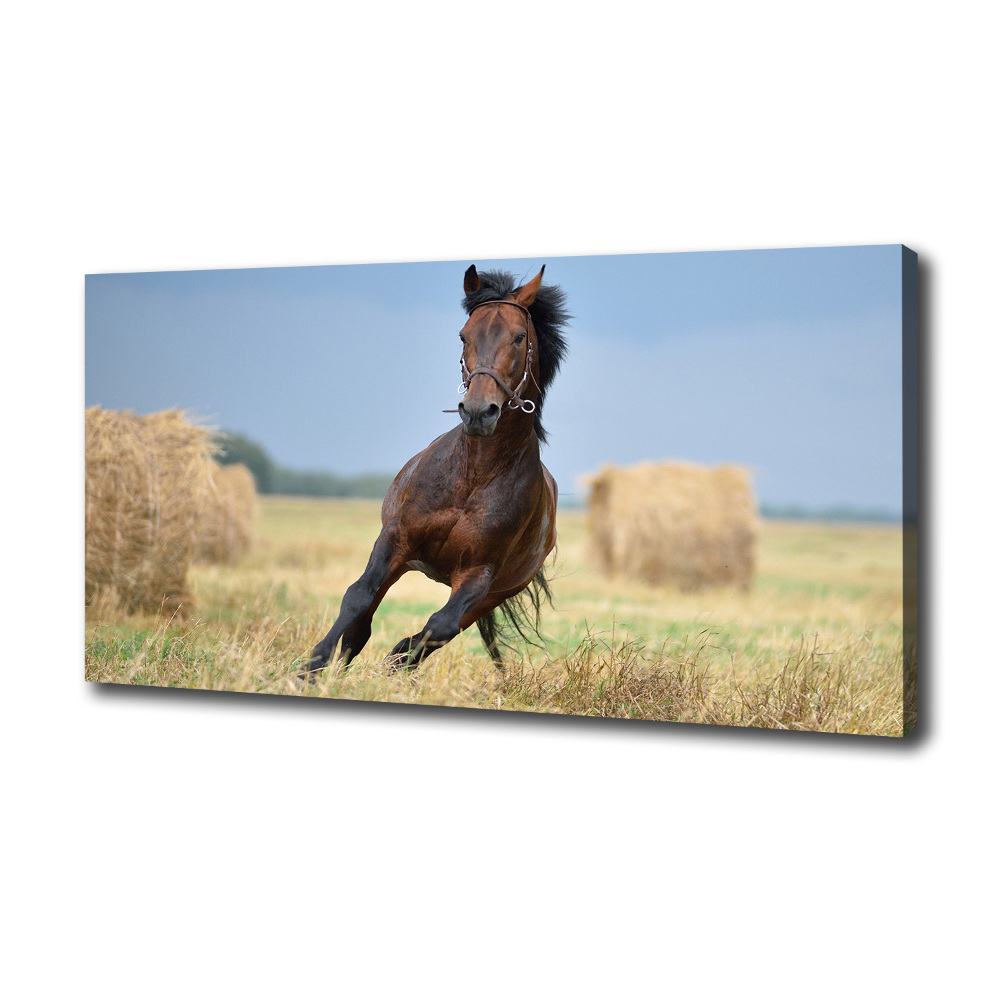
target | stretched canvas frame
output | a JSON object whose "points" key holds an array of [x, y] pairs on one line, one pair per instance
{"points": [[769, 643]]}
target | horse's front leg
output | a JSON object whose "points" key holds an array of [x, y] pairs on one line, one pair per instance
{"points": [[468, 591], [353, 627]]}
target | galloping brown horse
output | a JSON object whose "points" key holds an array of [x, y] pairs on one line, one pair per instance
{"points": [[476, 509]]}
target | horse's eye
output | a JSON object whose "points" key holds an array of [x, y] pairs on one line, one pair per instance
{"points": [[461, 338], [519, 339]]}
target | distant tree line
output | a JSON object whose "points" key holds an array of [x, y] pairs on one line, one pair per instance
{"points": [[834, 512], [271, 478]]}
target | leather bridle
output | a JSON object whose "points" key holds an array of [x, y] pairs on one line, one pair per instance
{"points": [[515, 400]]}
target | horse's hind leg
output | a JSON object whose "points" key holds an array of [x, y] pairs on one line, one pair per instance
{"points": [[444, 625], [353, 627], [487, 626], [484, 615]]}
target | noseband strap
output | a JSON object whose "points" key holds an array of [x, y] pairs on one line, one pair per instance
{"points": [[514, 401], [514, 395]]}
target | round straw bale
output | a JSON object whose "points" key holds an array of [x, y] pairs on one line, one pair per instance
{"points": [[148, 479], [674, 523], [227, 526]]}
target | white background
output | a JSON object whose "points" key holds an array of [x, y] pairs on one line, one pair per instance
{"points": [[176, 844]]}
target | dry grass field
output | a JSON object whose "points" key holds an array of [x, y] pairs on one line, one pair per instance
{"points": [[815, 643]]}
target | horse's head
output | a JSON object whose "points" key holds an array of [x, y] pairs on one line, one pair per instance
{"points": [[499, 357]]}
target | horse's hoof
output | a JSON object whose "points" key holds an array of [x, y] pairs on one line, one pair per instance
{"points": [[311, 670], [398, 661]]}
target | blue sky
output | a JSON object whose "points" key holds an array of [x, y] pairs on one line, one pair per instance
{"points": [[787, 361]]}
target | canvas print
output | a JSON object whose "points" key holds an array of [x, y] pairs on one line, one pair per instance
{"points": [[666, 487]]}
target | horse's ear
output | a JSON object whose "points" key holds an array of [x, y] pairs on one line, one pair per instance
{"points": [[526, 295], [472, 282]]}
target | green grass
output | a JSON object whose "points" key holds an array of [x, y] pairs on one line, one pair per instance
{"points": [[816, 643]]}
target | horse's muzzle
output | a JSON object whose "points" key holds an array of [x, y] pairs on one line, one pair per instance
{"points": [[479, 420]]}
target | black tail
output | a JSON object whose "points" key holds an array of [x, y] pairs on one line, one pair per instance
{"points": [[519, 615]]}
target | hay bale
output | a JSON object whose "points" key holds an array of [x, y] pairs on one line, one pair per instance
{"points": [[148, 479], [228, 523], [674, 523]]}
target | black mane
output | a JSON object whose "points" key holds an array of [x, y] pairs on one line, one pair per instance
{"points": [[549, 316]]}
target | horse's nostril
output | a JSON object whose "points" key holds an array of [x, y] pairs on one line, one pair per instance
{"points": [[482, 415]]}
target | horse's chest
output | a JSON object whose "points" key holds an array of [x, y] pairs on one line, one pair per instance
{"points": [[457, 539]]}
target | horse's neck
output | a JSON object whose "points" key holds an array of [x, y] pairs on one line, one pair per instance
{"points": [[509, 448]]}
